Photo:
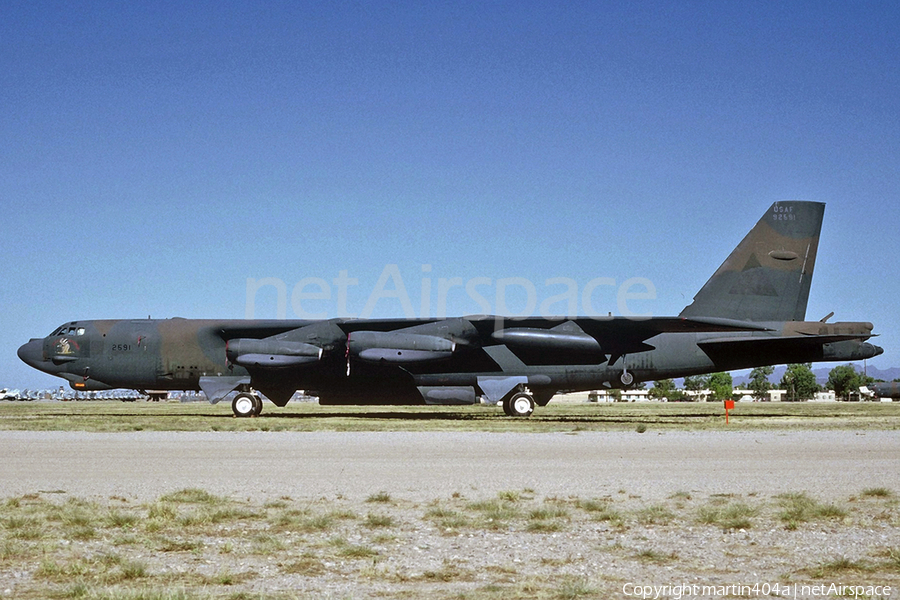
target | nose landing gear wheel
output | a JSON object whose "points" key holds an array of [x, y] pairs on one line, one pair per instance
{"points": [[246, 405], [519, 405]]}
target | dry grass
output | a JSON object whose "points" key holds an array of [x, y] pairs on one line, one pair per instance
{"points": [[799, 508], [192, 545], [734, 515]]}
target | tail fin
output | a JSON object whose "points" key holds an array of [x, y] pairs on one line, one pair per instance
{"points": [[767, 277]]}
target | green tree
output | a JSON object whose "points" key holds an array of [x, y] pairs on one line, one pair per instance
{"points": [[720, 386], [662, 389], [846, 381], [696, 384], [665, 388], [759, 382], [799, 382]]}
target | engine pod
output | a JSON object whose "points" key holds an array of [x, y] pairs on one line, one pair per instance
{"points": [[398, 347]]}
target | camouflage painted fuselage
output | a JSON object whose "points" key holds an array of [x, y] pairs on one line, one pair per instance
{"points": [[750, 313]]}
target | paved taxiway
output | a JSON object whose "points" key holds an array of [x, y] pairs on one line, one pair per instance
{"points": [[424, 466]]}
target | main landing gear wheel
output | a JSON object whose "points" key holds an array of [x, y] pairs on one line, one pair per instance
{"points": [[519, 404], [626, 378], [246, 405]]}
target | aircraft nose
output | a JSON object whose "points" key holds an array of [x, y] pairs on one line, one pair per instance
{"points": [[32, 353]]}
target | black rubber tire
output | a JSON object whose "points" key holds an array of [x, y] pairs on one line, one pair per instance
{"points": [[244, 405], [519, 404]]}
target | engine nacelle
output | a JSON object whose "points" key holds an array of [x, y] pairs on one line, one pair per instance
{"points": [[548, 339], [398, 347], [271, 353]]}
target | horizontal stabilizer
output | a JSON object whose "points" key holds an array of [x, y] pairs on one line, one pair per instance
{"points": [[733, 353], [792, 341]]}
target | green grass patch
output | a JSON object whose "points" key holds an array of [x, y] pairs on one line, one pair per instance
{"points": [[192, 496], [799, 508], [573, 587], [656, 514], [374, 520], [307, 565], [266, 544], [495, 513], [162, 511], [892, 558], [447, 519], [179, 545], [450, 571], [122, 519], [380, 497], [838, 567], [735, 515], [547, 519], [305, 523], [649, 555], [545, 526], [356, 551], [601, 510]]}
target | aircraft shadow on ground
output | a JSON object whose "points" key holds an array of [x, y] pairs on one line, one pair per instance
{"points": [[438, 416], [459, 416], [383, 416]]}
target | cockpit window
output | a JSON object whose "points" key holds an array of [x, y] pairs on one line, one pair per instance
{"points": [[68, 329]]}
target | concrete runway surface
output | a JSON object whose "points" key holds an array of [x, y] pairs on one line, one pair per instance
{"points": [[425, 466]]}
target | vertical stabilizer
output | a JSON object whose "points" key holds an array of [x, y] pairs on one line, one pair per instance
{"points": [[767, 277]]}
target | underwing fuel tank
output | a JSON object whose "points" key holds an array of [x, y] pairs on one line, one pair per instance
{"points": [[271, 353], [548, 339], [448, 395], [850, 350], [398, 347]]}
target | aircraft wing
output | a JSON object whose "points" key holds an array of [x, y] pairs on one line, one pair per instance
{"points": [[417, 344], [586, 340]]}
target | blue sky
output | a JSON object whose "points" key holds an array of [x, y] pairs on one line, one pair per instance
{"points": [[157, 156]]}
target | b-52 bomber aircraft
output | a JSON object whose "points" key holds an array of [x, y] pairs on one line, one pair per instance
{"points": [[890, 389], [750, 313]]}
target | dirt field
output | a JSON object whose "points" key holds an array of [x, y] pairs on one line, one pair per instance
{"points": [[449, 514]]}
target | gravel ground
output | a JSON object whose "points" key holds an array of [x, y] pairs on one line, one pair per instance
{"points": [[468, 515], [422, 466]]}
